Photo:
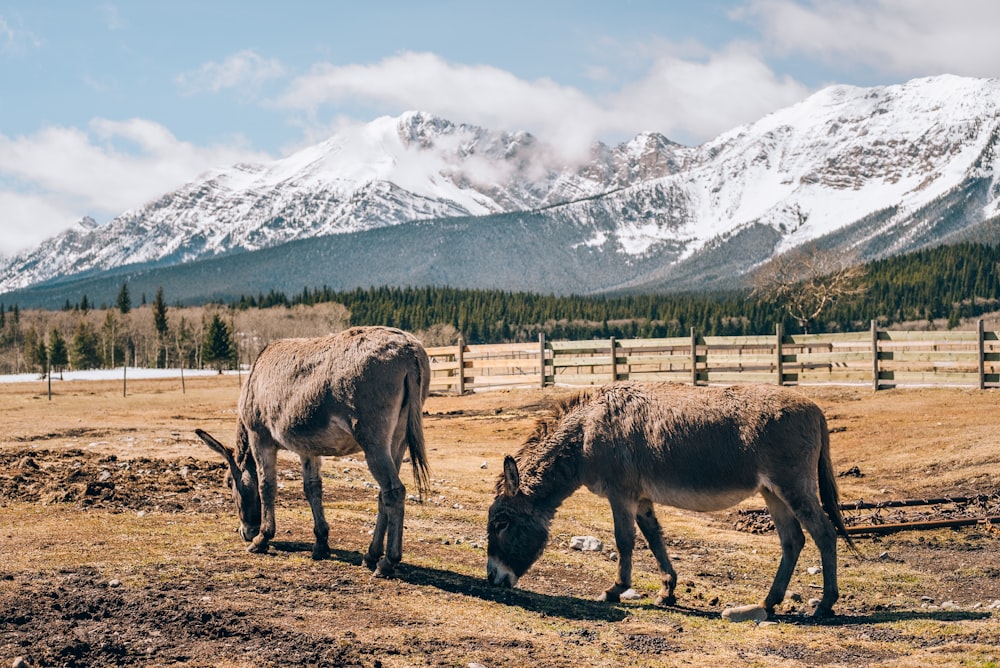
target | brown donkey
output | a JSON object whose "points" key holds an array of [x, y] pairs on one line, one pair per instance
{"points": [[361, 390], [701, 449]]}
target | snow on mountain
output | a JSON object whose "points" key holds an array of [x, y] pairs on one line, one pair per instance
{"points": [[821, 165], [808, 171]]}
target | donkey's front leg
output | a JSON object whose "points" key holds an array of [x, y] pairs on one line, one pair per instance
{"points": [[623, 512], [267, 464], [312, 485]]}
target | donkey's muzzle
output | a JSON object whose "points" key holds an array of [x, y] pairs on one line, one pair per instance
{"points": [[499, 575]]}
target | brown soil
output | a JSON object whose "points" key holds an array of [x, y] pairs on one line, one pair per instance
{"points": [[117, 548]]}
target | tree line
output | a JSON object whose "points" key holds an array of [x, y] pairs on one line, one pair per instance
{"points": [[936, 287]]}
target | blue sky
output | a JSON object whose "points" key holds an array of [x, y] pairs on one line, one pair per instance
{"points": [[105, 105]]}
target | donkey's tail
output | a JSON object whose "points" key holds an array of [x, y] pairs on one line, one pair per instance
{"points": [[417, 387], [828, 494]]}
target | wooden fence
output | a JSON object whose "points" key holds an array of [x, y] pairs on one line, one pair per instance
{"points": [[880, 358]]}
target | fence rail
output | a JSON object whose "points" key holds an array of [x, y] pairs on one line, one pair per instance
{"points": [[881, 358]]}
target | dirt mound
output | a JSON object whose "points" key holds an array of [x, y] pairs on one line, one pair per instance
{"points": [[107, 482]]}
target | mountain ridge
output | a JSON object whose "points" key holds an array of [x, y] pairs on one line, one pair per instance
{"points": [[809, 173]]}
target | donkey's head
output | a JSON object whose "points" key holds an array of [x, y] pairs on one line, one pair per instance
{"points": [[241, 478], [517, 531]]}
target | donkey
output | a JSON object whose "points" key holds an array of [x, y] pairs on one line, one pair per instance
{"points": [[361, 390], [701, 449]]}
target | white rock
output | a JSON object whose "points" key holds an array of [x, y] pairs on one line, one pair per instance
{"points": [[814, 570], [630, 595], [745, 613], [484, 465], [586, 544]]}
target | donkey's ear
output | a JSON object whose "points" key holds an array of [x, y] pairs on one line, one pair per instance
{"points": [[511, 478], [210, 441]]}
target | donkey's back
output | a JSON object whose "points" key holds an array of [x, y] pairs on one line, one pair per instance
{"points": [[312, 395], [700, 448]]}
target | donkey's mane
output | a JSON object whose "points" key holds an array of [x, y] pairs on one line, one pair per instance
{"points": [[534, 455]]}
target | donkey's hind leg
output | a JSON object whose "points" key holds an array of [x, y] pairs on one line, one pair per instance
{"points": [[312, 485], [811, 515], [650, 527], [792, 541]]}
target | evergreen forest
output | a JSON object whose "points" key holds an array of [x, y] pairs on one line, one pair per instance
{"points": [[933, 288]]}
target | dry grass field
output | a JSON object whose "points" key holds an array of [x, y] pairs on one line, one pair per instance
{"points": [[117, 547]]}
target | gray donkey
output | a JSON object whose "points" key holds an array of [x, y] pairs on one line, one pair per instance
{"points": [[701, 449], [361, 390]]}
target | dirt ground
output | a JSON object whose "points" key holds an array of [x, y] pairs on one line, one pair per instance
{"points": [[117, 547]]}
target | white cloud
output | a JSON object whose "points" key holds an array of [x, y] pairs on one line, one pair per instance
{"points": [[698, 99], [899, 37], [54, 177], [245, 70], [15, 39], [112, 17], [692, 100]]}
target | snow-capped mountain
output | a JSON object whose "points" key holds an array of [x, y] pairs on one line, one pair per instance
{"points": [[870, 171]]}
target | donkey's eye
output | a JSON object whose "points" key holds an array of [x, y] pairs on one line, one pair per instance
{"points": [[500, 526]]}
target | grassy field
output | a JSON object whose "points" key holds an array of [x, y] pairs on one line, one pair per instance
{"points": [[118, 547]]}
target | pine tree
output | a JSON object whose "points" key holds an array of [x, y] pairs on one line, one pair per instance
{"points": [[124, 301], [161, 325], [84, 353], [58, 355], [218, 347]]}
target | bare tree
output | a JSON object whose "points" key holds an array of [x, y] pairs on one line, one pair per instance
{"points": [[806, 281]]}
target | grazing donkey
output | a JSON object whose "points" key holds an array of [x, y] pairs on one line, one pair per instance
{"points": [[360, 390], [699, 449]]}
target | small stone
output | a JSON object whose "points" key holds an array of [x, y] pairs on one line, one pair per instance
{"points": [[813, 602], [767, 623], [114, 583], [20, 662], [585, 544], [949, 605], [927, 599], [630, 595], [745, 613], [883, 556], [613, 556], [484, 465], [995, 604], [814, 570], [476, 665]]}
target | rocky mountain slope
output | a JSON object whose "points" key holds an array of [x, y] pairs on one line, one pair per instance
{"points": [[860, 171]]}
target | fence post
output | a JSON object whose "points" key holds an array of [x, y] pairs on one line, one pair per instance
{"points": [[982, 355], [461, 366], [874, 357], [694, 358], [541, 358], [614, 361], [778, 334]]}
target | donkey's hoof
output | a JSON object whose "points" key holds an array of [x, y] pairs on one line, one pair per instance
{"points": [[370, 563], [384, 569], [609, 597], [665, 600], [823, 612], [320, 552], [257, 546]]}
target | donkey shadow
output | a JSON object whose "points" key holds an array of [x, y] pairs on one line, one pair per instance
{"points": [[567, 607], [573, 608]]}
